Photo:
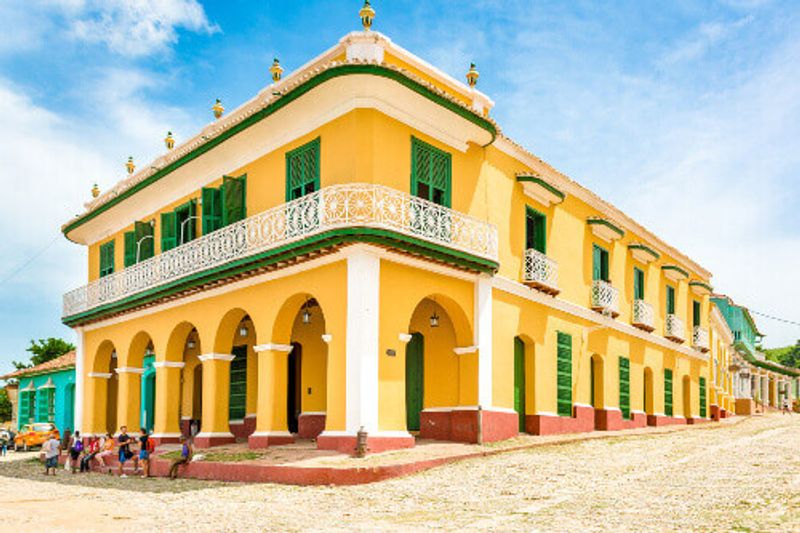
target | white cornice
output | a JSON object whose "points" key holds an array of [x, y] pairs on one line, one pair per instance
{"points": [[169, 364], [216, 357], [129, 370], [270, 347]]}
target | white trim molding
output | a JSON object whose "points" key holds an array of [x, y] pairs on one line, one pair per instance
{"points": [[463, 350], [211, 435], [327, 338], [405, 338], [100, 375], [313, 413], [165, 435], [169, 364], [272, 434], [129, 370], [371, 435], [216, 357], [273, 347]]}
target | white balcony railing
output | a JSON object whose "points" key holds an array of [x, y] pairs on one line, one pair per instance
{"points": [[541, 272], [700, 338], [643, 315], [334, 207], [674, 328], [605, 298]]}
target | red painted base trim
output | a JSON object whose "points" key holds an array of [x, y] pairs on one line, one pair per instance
{"points": [[158, 441], [697, 420], [716, 412], [347, 443], [581, 422], [244, 429], [661, 420], [309, 426], [263, 441], [723, 413], [461, 425], [208, 442], [745, 406], [611, 420]]}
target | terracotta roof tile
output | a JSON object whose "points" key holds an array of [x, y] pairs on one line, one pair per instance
{"points": [[65, 361]]}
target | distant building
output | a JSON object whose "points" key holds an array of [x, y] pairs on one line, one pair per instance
{"points": [[45, 393]]}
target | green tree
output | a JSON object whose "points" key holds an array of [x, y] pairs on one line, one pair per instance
{"points": [[44, 350], [792, 356], [5, 406]]}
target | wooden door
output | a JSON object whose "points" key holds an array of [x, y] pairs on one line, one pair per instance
{"points": [[415, 374], [519, 381]]}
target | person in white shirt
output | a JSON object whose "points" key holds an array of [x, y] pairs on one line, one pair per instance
{"points": [[51, 449]]}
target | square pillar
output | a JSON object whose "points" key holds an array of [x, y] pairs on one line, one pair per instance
{"points": [[483, 339], [129, 390], [96, 388], [79, 380], [166, 427], [271, 424], [216, 401]]}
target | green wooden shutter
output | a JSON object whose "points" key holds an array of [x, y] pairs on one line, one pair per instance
{"points": [[431, 173], [24, 407], [604, 264], [668, 392], [130, 249], [638, 283], [238, 386], [564, 374], [169, 238], [51, 406], [415, 378], [212, 209], [233, 199], [670, 300], [143, 233], [695, 313], [107, 259], [302, 170], [702, 397], [625, 387], [535, 230], [42, 404], [519, 381], [597, 272], [185, 226]]}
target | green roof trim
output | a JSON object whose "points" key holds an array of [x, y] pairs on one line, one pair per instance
{"points": [[603, 222], [676, 268], [294, 94], [646, 249], [750, 357], [702, 284], [539, 181], [288, 252]]}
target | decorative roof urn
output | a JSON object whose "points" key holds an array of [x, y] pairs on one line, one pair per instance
{"points": [[169, 141], [473, 75], [218, 109], [95, 191], [367, 15], [130, 166], [276, 70]]}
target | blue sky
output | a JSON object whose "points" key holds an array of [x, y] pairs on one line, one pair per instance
{"points": [[684, 114]]}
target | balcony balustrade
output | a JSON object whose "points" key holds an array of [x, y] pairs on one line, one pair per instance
{"points": [[336, 207], [643, 315], [700, 339], [605, 298], [674, 329], [541, 272]]}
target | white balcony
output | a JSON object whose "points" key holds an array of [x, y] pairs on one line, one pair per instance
{"points": [[643, 315], [700, 339], [605, 298], [541, 272], [358, 205], [674, 329]]}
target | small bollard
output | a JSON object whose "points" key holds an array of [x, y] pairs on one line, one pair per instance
{"points": [[361, 443]]}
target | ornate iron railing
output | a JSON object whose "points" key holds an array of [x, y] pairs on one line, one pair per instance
{"points": [[540, 269], [334, 207], [605, 297], [700, 338], [674, 328], [643, 315]]}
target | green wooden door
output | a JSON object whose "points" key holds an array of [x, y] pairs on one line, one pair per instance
{"points": [[668, 392], [415, 373], [149, 400], [625, 387], [519, 381], [238, 385], [702, 397], [564, 374], [638, 283]]}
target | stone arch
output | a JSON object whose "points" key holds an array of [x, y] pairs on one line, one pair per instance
{"points": [[236, 335], [140, 346], [105, 385]]}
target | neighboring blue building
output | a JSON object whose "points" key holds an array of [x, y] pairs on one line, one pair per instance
{"points": [[47, 393]]}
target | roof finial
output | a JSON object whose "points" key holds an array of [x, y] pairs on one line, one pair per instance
{"points": [[276, 70], [95, 191], [169, 141], [217, 108], [129, 165], [473, 75], [367, 15]]}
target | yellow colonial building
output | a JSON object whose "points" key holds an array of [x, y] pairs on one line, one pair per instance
{"points": [[360, 248]]}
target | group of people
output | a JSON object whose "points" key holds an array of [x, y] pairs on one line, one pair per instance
{"points": [[138, 448]]}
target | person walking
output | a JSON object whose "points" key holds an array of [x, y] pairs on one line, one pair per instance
{"points": [[75, 451], [187, 451], [3, 444], [51, 449], [786, 409]]}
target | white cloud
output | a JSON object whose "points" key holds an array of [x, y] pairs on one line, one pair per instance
{"points": [[136, 27], [707, 35]]}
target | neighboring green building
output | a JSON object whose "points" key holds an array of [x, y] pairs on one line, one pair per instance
{"points": [[47, 393], [739, 320]]}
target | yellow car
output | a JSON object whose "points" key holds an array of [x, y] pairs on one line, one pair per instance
{"points": [[32, 435]]}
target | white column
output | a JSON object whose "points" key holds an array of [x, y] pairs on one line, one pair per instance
{"points": [[363, 286], [79, 380], [483, 339]]}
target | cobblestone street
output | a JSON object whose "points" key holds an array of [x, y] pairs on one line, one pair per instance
{"points": [[744, 476]]}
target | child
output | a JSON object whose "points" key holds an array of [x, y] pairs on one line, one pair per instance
{"points": [[75, 450], [51, 449], [186, 455]]}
